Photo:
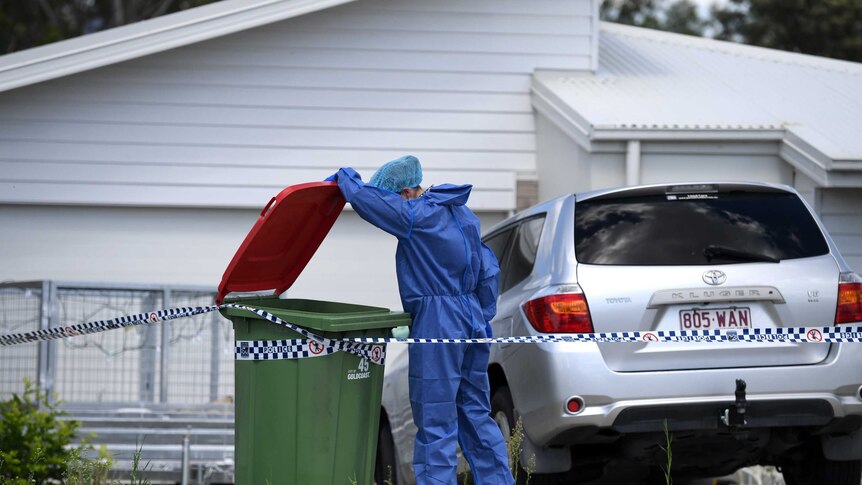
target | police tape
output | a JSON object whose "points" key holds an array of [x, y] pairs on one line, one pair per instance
{"points": [[103, 325], [373, 348], [312, 346]]}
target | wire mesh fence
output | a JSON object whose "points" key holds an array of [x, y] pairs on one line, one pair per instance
{"points": [[21, 312], [113, 366], [200, 355], [187, 361]]}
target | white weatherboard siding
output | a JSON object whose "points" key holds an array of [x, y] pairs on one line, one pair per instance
{"points": [[841, 216], [154, 169], [566, 167], [734, 161], [563, 165], [355, 263], [229, 121]]}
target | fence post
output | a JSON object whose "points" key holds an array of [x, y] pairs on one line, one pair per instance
{"points": [[44, 374], [149, 348], [164, 350], [186, 459], [215, 357]]}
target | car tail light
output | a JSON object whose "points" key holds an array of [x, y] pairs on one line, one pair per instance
{"points": [[849, 308], [559, 313], [574, 405]]}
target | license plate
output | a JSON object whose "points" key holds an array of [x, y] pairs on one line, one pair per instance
{"points": [[715, 318]]}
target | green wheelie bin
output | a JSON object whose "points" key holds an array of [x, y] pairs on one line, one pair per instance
{"points": [[312, 419]]}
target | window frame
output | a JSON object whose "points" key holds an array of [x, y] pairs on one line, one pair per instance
{"points": [[515, 229], [503, 260]]}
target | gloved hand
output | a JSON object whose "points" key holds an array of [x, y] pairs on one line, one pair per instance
{"points": [[332, 178], [401, 332]]}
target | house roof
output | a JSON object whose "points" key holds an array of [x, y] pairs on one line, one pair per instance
{"points": [[659, 85], [147, 37]]}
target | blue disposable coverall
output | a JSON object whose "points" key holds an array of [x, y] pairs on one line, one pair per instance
{"points": [[447, 279]]}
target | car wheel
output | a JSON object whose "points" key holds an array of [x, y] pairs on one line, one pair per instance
{"points": [[385, 472], [503, 412], [818, 470]]}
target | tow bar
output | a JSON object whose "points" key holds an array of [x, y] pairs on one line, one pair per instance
{"points": [[735, 416]]}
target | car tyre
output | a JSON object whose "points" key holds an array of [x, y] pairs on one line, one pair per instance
{"points": [[817, 470], [385, 472], [504, 414]]}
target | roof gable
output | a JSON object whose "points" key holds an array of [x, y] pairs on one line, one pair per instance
{"points": [[147, 37], [658, 85]]}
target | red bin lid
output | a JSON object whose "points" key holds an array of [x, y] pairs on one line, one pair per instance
{"points": [[284, 238]]}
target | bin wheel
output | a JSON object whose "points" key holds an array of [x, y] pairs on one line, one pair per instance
{"points": [[385, 472]]}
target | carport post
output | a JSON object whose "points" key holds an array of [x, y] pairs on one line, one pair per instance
{"points": [[633, 163]]}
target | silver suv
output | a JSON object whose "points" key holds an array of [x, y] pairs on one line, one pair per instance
{"points": [[668, 257]]}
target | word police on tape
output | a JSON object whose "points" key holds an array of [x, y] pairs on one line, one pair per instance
{"points": [[373, 348]]}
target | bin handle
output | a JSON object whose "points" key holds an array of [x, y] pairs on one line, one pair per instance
{"points": [[268, 205]]}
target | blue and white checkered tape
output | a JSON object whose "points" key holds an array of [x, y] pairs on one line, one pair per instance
{"points": [[103, 325], [373, 348], [304, 348]]}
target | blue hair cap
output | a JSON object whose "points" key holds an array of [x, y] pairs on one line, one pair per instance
{"points": [[397, 174]]}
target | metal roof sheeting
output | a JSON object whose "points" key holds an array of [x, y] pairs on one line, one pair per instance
{"points": [[674, 86]]}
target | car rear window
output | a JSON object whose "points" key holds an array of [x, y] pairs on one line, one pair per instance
{"points": [[720, 228]]}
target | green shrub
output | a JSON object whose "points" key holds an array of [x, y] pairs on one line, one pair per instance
{"points": [[82, 471], [33, 439]]}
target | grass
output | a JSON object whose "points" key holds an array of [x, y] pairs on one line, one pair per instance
{"points": [[136, 461], [668, 451], [84, 471], [514, 446], [81, 470]]}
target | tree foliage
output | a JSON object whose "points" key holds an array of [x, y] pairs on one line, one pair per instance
{"points": [[642, 13], [30, 23], [682, 17], [830, 28], [679, 16]]}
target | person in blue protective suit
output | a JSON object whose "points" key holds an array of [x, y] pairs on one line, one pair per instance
{"points": [[448, 281]]}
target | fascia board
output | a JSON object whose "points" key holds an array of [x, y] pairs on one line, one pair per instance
{"points": [[561, 114], [804, 162], [619, 134], [800, 155], [847, 165], [846, 180], [798, 143], [147, 37]]}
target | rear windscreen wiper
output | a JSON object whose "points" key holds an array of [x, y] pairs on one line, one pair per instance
{"points": [[723, 252]]}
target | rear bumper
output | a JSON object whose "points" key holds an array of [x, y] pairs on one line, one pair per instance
{"points": [[547, 375], [704, 416]]}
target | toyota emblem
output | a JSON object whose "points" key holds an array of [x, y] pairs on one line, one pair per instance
{"points": [[714, 277]]}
